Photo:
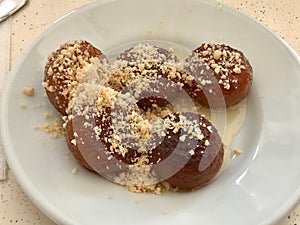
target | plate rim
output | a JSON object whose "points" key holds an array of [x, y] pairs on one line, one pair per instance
{"points": [[22, 179]]}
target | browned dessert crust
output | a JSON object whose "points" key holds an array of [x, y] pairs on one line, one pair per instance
{"points": [[92, 150], [62, 70], [72, 144], [223, 75], [192, 140], [146, 52], [152, 62], [202, 154]]}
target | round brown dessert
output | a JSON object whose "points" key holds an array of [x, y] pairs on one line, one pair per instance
{"points": [[91, 142], [113, 137], [151, 83], [155, 63], [121, 126], [148, 53], [89, 132], [191, 154], [159, 66], [66, 68], [223, 75]]}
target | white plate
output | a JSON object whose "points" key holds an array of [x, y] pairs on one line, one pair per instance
{"points": [[259, 187]]}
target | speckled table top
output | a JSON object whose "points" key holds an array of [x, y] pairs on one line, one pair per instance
{"points": [[281, 16]]}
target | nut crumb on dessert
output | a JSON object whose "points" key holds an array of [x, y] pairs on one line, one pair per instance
{"points": [[29, 91], [74, 142], [237, 151], [74, 170], [23, 105], [226, 63]]}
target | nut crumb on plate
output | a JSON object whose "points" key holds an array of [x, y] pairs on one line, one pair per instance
{"points": [[237, 151], [47, 115], [23, 105], [29, 91], [55, 129], [166, 212], [75, 170]]}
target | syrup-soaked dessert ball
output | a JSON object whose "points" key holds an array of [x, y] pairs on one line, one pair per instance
{"points": [[192, 151], [74, 62], [148, 53], [89, 130], [161, 90], [93, 148], [117, 119], [112, 136], [223, 75], [97, 132], [160, 66]]}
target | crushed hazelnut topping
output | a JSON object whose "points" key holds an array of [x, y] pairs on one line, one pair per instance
{"points": [[29, 91], [74, 170], [217, 54], [55, 129], [23, 105], [47, 115], [206, 143], [237, 70], [166, 212], [192, 152], [205, 53], [220, 59], [237, 151], [74, 142], [71, 65], [67, 155]]}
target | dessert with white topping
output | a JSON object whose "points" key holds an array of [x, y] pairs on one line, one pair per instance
{"points": [[121, 118], [223, 74]]}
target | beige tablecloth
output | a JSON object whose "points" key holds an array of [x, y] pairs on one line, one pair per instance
{"points": [[281, 16], [5, 34]]}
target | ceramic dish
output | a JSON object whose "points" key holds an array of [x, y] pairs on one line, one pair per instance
{"points": [[259, 187]]}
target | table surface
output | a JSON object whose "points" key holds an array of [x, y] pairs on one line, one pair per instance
{"points": [[281, 16]]}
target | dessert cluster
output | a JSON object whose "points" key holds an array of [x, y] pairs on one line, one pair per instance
{"points": [[122, 119]]}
